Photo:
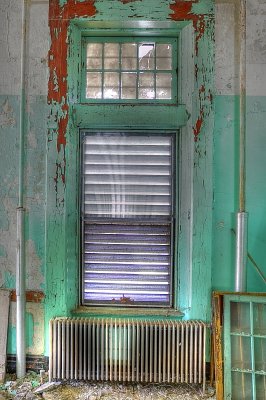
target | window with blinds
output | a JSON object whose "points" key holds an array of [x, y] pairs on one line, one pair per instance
{"points": [[127, 218]]}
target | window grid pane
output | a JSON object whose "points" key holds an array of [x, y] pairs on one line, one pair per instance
{"points": [[137, 58]]}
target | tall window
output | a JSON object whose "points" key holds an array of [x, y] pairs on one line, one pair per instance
{"points": [[127, 206], [127, 218]]}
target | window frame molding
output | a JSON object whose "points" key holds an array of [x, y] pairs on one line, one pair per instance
{"points": [[82, 116]]}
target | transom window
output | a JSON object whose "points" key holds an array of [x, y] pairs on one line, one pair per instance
{"points": [[130, 69], [127, 218]]}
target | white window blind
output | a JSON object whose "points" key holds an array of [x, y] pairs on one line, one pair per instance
{"points": [[127, 218]]}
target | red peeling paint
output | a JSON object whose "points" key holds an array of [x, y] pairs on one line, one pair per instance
{"points": [[200, 29], [182, 11], [59, 18], [198, 125]]}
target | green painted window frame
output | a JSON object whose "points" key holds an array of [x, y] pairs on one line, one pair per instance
{"points": [[119, 116], [132, 39], [249, 300]]}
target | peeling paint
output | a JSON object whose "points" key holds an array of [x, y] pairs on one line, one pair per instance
{"points": [[34, 329], [59, 18], [183, 10], [7, 115], [197, 127]]}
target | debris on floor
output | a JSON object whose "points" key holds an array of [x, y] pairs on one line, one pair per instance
{"points": [[34, 387]]}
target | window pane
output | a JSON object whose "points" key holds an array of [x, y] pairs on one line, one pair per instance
{"points": [[94, 63], [260, 354], [241, 352], [111, 85], [241, 386], [146, 56], [164, 50], [111, 50], [163, 86], [94, 50], [111, 56], [240, 317], [163, 63], [163, 57], [129, 56], [146, 85], [94, 85], [128, 85]]}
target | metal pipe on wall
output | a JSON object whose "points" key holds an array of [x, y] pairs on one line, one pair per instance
{"points": [[242, 216], [20, 253]]}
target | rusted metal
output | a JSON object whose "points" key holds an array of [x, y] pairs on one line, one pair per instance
{"points": [[32, 296], [217, 302]]}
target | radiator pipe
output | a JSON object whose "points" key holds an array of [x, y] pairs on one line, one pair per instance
{"points": [[242, 217], [20, 251]]}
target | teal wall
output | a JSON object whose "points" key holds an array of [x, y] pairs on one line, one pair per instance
{"points": [[226, 190]]}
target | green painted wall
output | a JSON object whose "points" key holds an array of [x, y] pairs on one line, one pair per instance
{"points": [[226, 192]]}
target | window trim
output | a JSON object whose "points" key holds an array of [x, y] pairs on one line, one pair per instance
{"points": [[176, 117], [128, 39]]}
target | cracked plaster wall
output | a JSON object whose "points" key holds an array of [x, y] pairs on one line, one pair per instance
{"points": [[35, 140]]}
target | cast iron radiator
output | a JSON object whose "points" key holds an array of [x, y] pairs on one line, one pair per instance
{"points": [[127, 350]]}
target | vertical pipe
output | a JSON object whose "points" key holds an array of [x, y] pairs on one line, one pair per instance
{"points": [[241, 252], [21, 296], [242, 100], [20, 253], [241, 234]]}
